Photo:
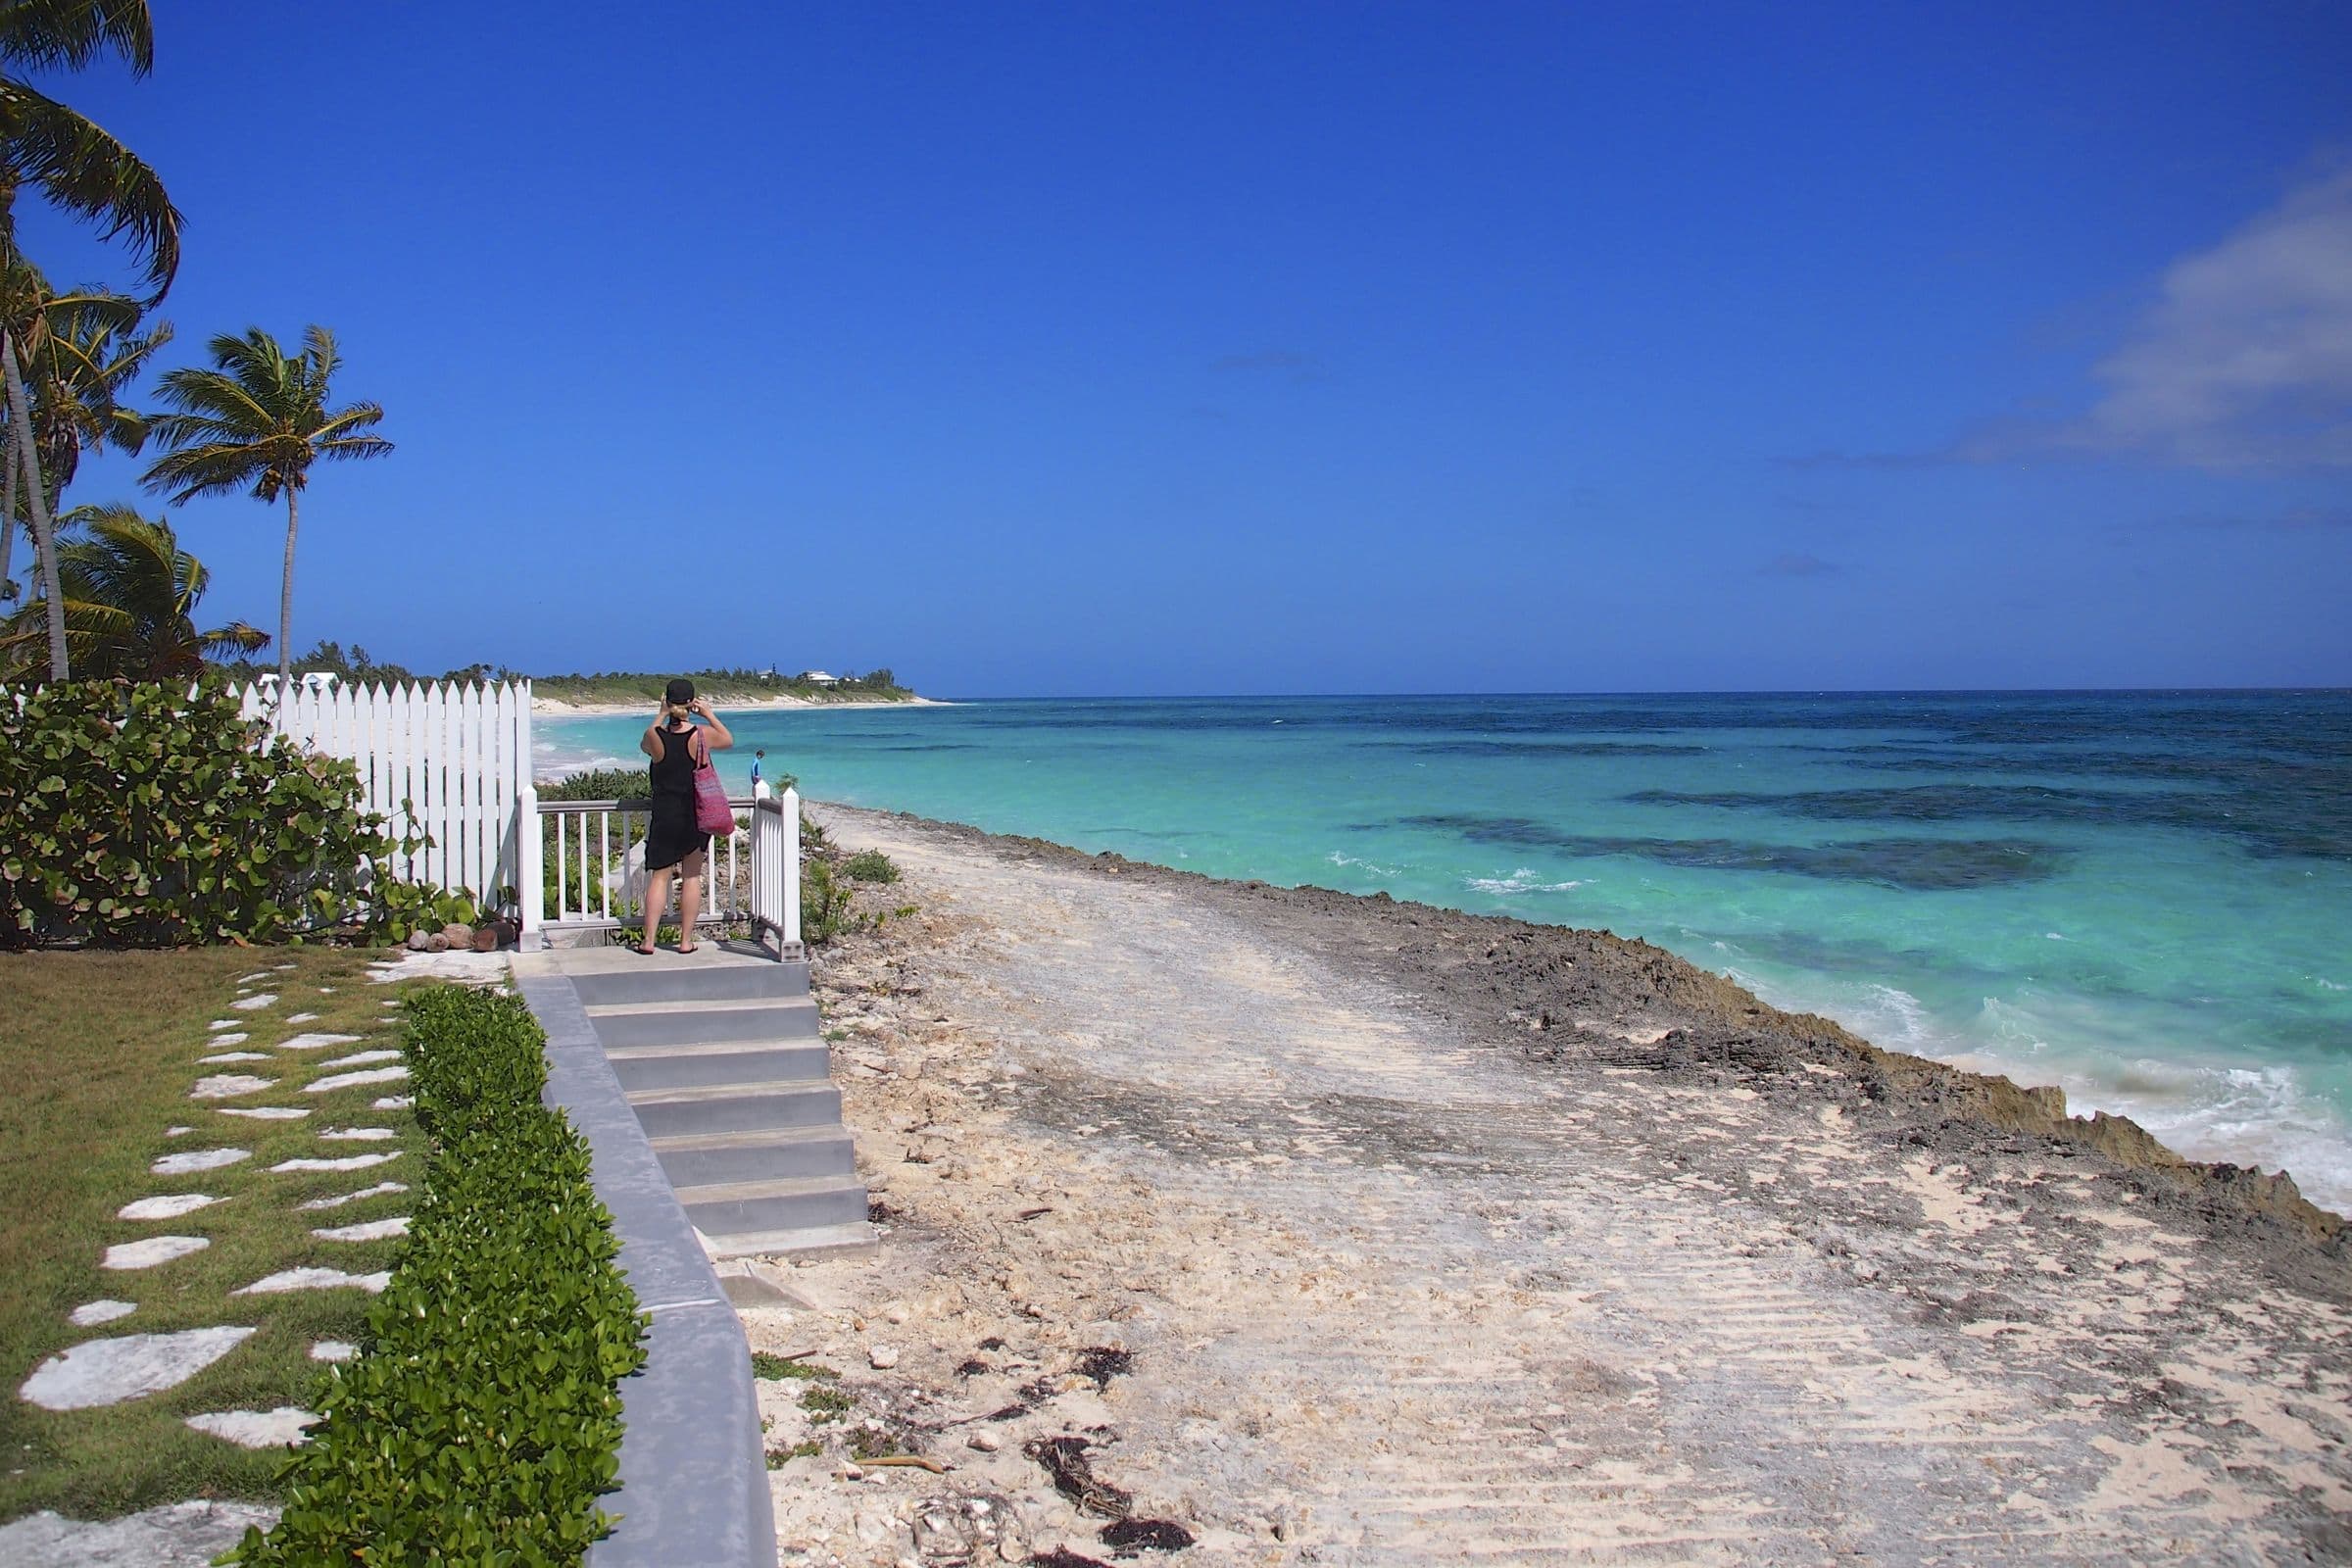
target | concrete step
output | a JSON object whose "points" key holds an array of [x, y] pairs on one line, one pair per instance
{"points": [[660, 982], [816, 1241], [765, 1153], [736, 1108], [704, 1023], [739, 1208], [705, 1066]]}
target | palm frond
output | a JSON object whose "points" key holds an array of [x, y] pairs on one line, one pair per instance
{"points": [[71, 33], [81, 168]]}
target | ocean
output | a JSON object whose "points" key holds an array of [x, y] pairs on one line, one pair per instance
{"points": [[2145, 898]]}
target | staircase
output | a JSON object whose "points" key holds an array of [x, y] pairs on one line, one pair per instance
{"points": [[719, 1053]]}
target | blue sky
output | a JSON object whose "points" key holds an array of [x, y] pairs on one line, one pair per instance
{"points": [[1114, 349]]}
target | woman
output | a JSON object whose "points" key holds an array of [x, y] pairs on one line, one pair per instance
{"points": [[673, 843]]}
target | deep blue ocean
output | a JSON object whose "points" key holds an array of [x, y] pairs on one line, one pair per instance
{"points": [[2145, 898]]}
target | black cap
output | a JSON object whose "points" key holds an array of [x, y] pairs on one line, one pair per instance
{"points": [[680, 693]]}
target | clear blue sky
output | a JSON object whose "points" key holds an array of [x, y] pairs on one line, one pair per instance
{"points": [[1125, 349]]}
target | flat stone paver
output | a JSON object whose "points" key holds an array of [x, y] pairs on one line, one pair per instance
{"points": [[347, 1162], [154, 1251], [302, 1017], [171, 1208], [89, 1315], [178, 1535], [333, 1351], [316, 1041], [281, 1428], [263, 1112], [110, 1371], [374, 1230], [352, 1080], [360, 1058], [229, 1085], [395, 1101], [313, 1279], [222, 1057], [379, 1190], [198, 1159], [234, 1037], [357, 1134], [253, 1003]]}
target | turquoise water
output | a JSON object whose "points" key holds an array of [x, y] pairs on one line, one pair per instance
{"points": [[2143, 898]]}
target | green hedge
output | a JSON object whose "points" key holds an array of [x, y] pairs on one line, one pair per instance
{"points": [[480, 1420], [153, 815]]}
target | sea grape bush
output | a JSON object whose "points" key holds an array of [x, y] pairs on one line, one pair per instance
{"points": [[481, 1419], [154, 815]]}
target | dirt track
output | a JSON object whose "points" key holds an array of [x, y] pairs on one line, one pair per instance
{"points": [[1437, 1239]]}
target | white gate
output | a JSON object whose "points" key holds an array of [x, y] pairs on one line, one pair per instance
{"points": [[451, 762]]}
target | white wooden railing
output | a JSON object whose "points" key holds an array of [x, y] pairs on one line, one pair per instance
{"points": [[594, 878]]}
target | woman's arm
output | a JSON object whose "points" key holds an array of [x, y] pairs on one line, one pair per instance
{"points": [[647, 743], [715, 735]]}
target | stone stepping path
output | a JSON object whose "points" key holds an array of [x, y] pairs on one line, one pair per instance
{"points": [[374, 1230], [302, 1017], [254, 979], [352, 1080], [360, 1058], [253, 1003], [360, 1135], [313, 1279], [263, 1112], [348, 1163], [198, 1159], [281, 1428], [379, 1190], [316, 1041], [155, 1250], [223, 1056], [110, 1371], [89, 1315], [171, 1208], [395, 1101], [229, 1085], [235, 1037], [333, 1351], [218, 1024]]}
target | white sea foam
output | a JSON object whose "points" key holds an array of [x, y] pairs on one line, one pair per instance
{"points": [[1337, 859], [2327, 984], [1523, 880]]}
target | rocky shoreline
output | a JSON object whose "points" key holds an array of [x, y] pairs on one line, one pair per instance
{"points": [[1415, 1237], [1595, 999]]}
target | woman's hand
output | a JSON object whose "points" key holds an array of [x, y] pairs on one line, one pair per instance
{"points": [[702, 706]]}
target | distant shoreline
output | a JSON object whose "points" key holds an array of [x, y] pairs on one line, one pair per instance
{"points": [[558, 707]]}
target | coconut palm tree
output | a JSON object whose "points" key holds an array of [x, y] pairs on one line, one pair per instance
{"points": [[75, 165], [130, 596], [80, 350], [256, 422]]}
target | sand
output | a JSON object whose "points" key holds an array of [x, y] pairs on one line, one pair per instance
{"points": [[1440, 1239]]}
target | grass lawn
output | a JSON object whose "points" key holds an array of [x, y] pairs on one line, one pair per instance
{"points": [[98, 1052]]}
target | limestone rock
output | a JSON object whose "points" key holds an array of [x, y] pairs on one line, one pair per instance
{"points": [[281, 1428], [313, 1279], [198, 1159], [110, 1371], [171, 1208], [347, 1162], [89, 1315], [351, 1080], [337, 1202], [152, 1251]]}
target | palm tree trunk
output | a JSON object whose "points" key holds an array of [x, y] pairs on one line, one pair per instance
{"points": [[8, 511], [44, 539], [285, 612]]}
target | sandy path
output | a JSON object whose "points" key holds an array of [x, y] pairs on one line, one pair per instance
{"points": [[1396, 1296]]}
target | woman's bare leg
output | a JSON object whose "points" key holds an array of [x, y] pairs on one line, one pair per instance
{"points": [[690, 898], [656, 899]]}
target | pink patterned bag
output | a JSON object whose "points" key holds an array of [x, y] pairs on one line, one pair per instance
{"points": [[712, 813]]}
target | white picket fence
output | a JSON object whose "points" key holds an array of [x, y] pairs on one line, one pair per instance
{"points": [[446, 760]]}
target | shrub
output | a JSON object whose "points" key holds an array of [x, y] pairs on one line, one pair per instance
{"points": [[869, 865], [157, 815], [482, 1421], [599, 784]]}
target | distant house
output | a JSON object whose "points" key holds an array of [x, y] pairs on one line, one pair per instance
{"points": [[818, 678]]}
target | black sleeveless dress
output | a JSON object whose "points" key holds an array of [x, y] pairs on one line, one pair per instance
{"points": [[672, 835]]}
